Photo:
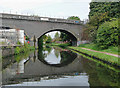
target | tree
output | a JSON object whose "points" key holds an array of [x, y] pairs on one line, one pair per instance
{"points": [[101, 7], [64, 36], [57, 36], [73, 18], [94, 23], [107, 34], [49, 39], [44, 38]]}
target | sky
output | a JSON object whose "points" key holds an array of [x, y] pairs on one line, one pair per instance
{"points": [[47, 8]]}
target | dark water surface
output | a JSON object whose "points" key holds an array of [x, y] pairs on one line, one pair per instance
{"points": [[54, 66]]}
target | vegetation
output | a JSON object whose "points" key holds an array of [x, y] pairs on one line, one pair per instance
{"points": [[64, 36], [101, 12], [23, 49], [57, 37], [107, 34], [73, 18], [60, 45], [111, 59], [103, 30], [24, 55], [40, 42], [101, 7], [2, 43], [49, 39], [112, 49]]}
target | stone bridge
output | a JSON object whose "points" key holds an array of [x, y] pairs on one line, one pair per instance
{"points": [[38, 26]]}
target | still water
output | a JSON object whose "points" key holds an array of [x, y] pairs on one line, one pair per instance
{"points": [[54, 66]]}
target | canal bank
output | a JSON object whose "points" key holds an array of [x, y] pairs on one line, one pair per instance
{"points": [[107, 56], [55, 66], [102, 57], [11, 51]]}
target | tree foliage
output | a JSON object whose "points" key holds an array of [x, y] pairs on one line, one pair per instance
{"points": [[64, 36], [101, 7], [107, 34], [49, 39], [57, 36], [73, 18], [101, 12], [95, 22]]}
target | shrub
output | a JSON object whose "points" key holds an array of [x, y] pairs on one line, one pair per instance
{"points": [[17, 50], [107, 34], [24, 48]]}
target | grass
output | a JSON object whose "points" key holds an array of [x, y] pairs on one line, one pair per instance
{"points": [[111, 49], [106, 65], [61, 45], [111, 59]]}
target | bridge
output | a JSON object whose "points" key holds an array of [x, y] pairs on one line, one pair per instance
{"points": [[38, 26]]}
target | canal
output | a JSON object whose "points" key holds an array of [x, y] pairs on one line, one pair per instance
{"points": [[55, 66]]}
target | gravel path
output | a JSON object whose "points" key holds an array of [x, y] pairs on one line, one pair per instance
{"points": [[102, 52]]}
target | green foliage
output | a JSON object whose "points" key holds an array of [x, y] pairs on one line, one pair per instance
{"points": [[17, 50], [40, 42], [60, 45], [2, 43], [113, 60], [107, 34], [101, 12], [44, 38], [95, 22], [101, 7], [23, 49], [64, 37], [57, 36], [19, 43], [73, 18], [49, 39], [92, 46]]}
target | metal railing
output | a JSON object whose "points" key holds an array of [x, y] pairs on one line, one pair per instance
{"points": [[37, 18]]}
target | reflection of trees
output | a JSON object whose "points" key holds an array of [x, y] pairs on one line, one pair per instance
{"points": [[46, 48], [56, 51], [67, 57], [40, 54], [100, 75]]}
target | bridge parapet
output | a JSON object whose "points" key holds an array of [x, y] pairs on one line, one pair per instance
{"points": [[37, 18]]}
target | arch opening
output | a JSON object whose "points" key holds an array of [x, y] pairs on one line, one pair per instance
{"points": [[64, 37]]}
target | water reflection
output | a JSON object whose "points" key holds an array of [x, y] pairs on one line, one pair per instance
{"points": [[56, 56], [67, 69]]}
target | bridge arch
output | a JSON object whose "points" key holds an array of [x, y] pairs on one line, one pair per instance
{"points": [[72, 36]]}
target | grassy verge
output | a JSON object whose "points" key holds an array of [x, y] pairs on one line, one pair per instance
{"points": [[111, 49], [60, 45], [97, 61], [107, 58]]}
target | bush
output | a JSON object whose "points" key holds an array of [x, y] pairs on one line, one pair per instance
{"points": [[24, 48], [107, 34], [17, 50]]}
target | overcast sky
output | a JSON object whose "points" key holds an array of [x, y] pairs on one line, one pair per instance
{"points": [[47, 8], [50, 8]]}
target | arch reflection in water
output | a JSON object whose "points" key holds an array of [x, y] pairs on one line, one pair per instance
{"points": [[55, 56]]}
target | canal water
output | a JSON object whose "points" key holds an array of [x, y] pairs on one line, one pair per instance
{"points": [[55, 66]]}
